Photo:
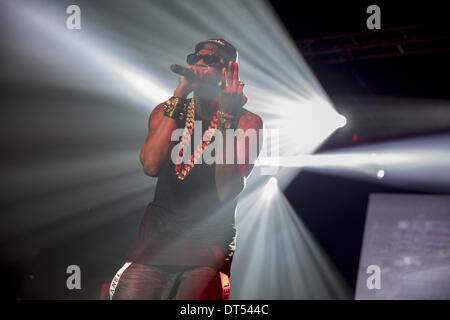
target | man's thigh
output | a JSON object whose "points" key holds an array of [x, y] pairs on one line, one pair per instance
{"points": [[139, 282], [202, 283]]}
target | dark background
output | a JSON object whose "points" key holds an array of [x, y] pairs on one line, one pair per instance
{"points": [[369, 92]]}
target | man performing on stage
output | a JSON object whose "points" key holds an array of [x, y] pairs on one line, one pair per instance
{"points": [[187, 237]]}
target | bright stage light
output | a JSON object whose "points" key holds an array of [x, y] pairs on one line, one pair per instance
{"points": [[421, 163], [276, 256], [345, 159], [271, 188], [342, 121]]}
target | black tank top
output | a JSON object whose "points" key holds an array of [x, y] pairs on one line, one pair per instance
{"points": [[186, 223]]}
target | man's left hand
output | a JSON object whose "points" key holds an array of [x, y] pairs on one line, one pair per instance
{"points": [[231, 98]]}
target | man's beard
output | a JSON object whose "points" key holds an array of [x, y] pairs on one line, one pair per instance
{"points": [[207, 91]]}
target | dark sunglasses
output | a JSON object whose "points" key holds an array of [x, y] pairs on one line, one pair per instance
{"points": [[209, 59]]}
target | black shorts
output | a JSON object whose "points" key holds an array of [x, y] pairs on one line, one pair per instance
{"points": [[151, 282]]}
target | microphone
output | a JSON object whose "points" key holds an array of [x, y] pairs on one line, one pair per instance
{"points": [[188, 73]]}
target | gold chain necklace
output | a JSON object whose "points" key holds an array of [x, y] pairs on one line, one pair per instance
{"points": [[182, 170]]}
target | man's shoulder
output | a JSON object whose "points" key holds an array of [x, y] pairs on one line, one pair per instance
{"points": [[156, 114], [159, 107], [249, 119]]}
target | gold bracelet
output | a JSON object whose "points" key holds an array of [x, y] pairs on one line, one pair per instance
{"points": [[175, 108]]}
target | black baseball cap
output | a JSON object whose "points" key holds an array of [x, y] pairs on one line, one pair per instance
{"points": [[225, 49]]}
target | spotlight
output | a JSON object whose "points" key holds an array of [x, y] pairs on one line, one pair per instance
{"points": [[341, 121], [380, 174], [272, 187]]}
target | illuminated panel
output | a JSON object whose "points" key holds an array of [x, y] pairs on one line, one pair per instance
{"points": [[408, 238]]}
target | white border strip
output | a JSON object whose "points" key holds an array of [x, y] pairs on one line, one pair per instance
{"points": [[116, 279]]}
